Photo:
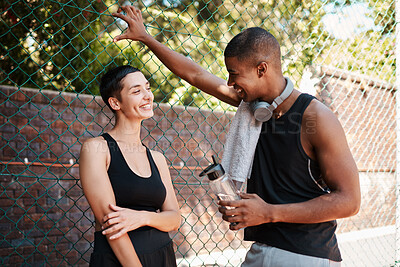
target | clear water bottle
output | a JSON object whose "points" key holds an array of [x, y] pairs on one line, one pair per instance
{"points": [[220, 183]]}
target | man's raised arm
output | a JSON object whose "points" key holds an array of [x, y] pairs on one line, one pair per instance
{"points": [[180, 65]]}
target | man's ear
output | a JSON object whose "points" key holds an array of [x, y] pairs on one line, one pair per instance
{"points": [[262, 69], [114, 103]]}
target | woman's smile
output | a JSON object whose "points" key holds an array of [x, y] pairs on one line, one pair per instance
{"points": [[146, 107]]}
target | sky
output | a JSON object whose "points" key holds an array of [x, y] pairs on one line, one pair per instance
{"points": [[346, 21]]}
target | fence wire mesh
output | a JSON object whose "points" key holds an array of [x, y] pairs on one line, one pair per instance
{"points": [[53, 52]]}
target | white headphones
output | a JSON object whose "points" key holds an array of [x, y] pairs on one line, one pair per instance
{"points": [[263, 111]]}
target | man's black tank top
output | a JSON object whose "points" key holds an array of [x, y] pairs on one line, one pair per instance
{"points": [[283, 173], [139, 193]]}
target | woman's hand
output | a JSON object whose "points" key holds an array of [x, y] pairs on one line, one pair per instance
{"points": [[121, 221], [133, 17]]}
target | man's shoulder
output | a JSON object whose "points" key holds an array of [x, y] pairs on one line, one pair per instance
{"points": [[317, 110], [321, 123]]}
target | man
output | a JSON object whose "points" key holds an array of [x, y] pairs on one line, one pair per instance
{"points": [[303, 177]]}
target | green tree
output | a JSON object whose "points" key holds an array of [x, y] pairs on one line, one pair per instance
{"points": [[54, 45], [370, 53], [201, 30], [66, 45]]}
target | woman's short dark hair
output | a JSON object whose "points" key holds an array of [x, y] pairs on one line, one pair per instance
{"points": [[111, 82]]}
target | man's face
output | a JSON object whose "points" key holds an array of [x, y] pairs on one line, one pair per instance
{"points": [[244, 78]]}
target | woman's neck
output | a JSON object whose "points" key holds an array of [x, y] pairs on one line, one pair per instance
{"points": [[127, 131]]}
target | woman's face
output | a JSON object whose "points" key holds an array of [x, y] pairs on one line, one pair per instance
{"points": [[136, 97]]}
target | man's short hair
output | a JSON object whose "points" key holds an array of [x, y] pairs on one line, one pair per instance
{"points": [[254, 45], [111, 82]]}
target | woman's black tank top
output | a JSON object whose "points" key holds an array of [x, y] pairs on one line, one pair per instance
{"points": [[139, 193], [131, 190], [283, 173]]}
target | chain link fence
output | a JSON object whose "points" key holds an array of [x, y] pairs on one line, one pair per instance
{"points": [[53, 53]]}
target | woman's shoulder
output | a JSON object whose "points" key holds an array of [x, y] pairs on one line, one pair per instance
{"points": [[161, 163], [95, 145], [157, 156]]}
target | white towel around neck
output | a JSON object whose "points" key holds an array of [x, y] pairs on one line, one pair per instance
{"points": [[240, 144]]}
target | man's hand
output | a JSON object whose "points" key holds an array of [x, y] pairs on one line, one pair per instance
{"points": [[249, 211], [122, 221], [133, 17]]}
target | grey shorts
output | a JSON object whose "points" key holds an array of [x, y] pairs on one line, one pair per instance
{"points": [[261, 255]]}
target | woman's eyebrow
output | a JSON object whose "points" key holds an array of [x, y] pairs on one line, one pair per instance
{"points": [[138, 85]]}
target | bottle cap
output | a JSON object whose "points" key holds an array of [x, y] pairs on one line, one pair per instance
{"points": [[214, 171]]}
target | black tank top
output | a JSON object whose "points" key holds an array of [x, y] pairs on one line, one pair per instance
{"points": [[131, 190], [283, 173], [139, 193]]}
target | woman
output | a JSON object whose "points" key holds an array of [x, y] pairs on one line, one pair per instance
{"points": [[128, 187]]}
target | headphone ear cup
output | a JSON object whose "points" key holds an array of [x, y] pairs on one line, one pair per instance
{"points": [[262, 111]]}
